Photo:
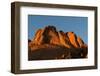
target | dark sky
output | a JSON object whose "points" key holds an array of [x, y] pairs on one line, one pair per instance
{"points": [[78, 25]]}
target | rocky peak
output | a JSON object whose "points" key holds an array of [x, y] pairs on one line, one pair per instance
{"points": [[80, 41], [49, 35], [73, 39], [50, 28]]}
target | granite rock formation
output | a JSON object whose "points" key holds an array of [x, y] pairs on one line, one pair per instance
{"points": [[48, 43]]}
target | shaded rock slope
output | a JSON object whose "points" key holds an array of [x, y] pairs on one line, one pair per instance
{"points": [[48, 43]]}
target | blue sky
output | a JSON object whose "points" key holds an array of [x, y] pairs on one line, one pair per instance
{"points": [[79, 25]]}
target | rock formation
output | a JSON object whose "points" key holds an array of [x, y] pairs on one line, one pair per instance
{"points": [[48, 43], [48, 35]]}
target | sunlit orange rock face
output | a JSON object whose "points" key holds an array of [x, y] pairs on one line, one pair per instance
{"points": [[48, 35], [48, 43]]}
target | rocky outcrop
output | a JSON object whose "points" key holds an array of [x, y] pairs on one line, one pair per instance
{"points": [[48, 43], [80, 42], [51, 35], [37, 39], [48, 35], [64, 40], [73, 39]]}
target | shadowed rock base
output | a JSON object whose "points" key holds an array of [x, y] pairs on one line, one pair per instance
{"points": [[48, 52]]}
